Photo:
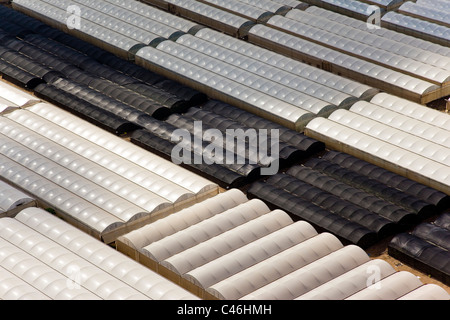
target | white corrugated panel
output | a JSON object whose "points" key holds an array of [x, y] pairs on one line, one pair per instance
{"points": [[250, 254], [92, 162], [238, 8], [396, 137], [399, 160], [66, 262], [138, 23], [429, 291], [128, 152], [15, 96], [205, 230], [413, 110], [104, 257], [184, 218], [384, 32], [402, 122], [272, 6], [11, 197], [360, 50], [371, 39], [364, 68], [226, 242], [281, 77], [57, 17], [89, 172], [292, 66], [59, 198], [389, 288], [244, 78], [40, 276], [259, 102], [211, 12], [350, 282], [114, 24], [417, 26], [275, 267], [74, 183], [154, 14], [443, 5], [13, 287], [426, 12], [312, 275]]}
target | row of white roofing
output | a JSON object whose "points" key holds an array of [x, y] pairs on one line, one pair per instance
{"points": [[403, 137], [94, 177], [211, 61], [221, 72], [43, 257], [229, 247]]}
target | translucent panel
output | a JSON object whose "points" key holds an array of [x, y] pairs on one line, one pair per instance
{"points": [[366, 69], [363, 51], [14, 96], [371, 39], [312, 275], [281, 77], [350, 282], [251, 254], [413, 110], [403, 122], [424, 29], [108, 259], [259, 102], [57, 197], [42, 277], [182, 219], [11, 197], [241, 76], [72, 182], [426, 12], [389, 288], [275, 267], [428, 291], [14, 288], [104, 168], [205, 230], [396, 137], [227, 242], [384, 32], [282, 62]]}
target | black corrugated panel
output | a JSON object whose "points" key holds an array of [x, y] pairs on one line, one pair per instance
{"points": [[250, 152], [432, 233], [288, 154], [216, 173], [85, 110], [418, 190], [357, 196], [382, 226], [422, 255], [443, 221], [347, 231], [296, 139], [165, 130], [18, 76], [105, 102], [171, 101], [410, 203]]}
